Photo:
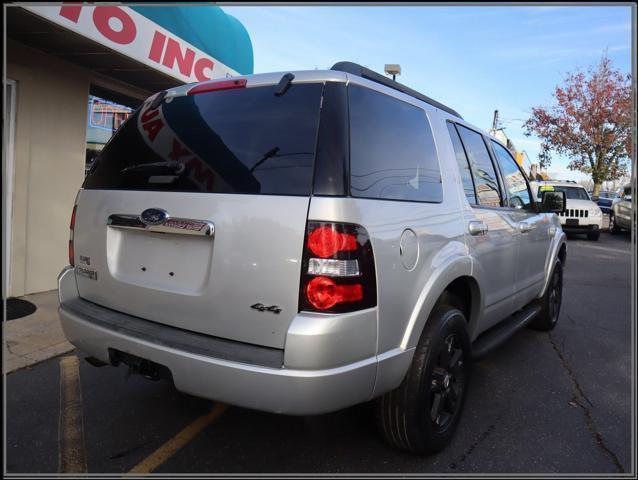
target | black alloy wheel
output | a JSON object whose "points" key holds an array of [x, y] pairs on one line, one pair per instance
{"points": [[555, 295], [422, 414], [447, 383], [551, 301]]}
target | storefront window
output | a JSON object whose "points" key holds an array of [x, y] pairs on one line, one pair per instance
{"points": [[104, 118]]}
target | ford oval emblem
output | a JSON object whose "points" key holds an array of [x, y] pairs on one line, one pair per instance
{"points": [[154, 216]]}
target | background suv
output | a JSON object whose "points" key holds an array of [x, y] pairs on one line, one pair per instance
{"points": [[301, 242], [622, 213], [581, 214]]}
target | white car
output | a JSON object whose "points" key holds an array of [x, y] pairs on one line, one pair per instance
{"points": [[581, 214]]}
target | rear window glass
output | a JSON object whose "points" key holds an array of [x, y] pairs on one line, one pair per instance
{"points": [[233, 141], [392, 152]]}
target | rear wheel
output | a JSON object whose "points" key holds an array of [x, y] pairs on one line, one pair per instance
{"points": [[422, 414], [551, 301]]}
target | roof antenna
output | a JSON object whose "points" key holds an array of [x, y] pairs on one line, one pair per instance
{"points": [[284, 84], [393, 69]]}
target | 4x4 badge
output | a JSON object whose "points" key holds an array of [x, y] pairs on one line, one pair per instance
{"points": [[263, 308]]}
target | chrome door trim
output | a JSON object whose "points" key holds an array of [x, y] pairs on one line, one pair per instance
{"points": [[181, 226]]}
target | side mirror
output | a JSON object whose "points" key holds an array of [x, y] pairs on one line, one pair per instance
{"points": [[595, 198], [553, 202]]}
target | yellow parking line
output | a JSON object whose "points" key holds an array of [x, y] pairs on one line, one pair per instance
{"points": [[72, 457], [173, 445]]}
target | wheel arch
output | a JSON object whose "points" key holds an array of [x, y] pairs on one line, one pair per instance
{"points": [[454, 280], [558, 251], [465, 291]]}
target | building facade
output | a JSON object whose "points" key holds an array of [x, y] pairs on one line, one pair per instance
{"points": [[73, 75]]}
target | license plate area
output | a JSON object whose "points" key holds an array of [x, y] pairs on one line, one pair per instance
{"points": [[160, 261], [571, 221]]}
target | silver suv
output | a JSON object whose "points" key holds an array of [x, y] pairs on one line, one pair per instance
{"points": [[621, 215], [299, 243]]}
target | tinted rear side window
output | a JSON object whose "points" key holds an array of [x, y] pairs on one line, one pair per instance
{"points": [[233, 141], [464, 166], [487, 190], [392, 152]]}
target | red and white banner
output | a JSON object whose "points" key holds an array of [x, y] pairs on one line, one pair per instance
{"points": [[127, 32], [161, 138]]}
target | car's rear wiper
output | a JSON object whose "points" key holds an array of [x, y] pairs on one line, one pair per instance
{"points": [[284, 84], [269, 154], [172, 166]]}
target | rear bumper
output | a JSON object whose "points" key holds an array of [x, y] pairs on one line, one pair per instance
{"points": [[296, 391]]}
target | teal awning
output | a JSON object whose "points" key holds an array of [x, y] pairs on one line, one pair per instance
{"points": [[208, 28]]}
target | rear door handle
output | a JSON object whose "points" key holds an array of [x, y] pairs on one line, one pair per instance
{"points": [[477, 228], [524, 227]]}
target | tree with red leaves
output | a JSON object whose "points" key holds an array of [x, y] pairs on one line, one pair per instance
{"points": [[590, 122]]}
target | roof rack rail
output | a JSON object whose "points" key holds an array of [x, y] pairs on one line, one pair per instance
{"points": [[356, 69]]}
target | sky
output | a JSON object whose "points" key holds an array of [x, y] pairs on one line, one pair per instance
{"points": [[474, 59]]}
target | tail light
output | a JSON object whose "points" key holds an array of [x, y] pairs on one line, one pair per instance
{"points": [[72, 228], [337, 270]]}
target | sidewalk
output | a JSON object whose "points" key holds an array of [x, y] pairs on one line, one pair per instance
{"points": [[36, 337]]}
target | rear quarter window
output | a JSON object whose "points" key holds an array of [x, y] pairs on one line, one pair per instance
{"points": [[392, 151], [234, 141]]}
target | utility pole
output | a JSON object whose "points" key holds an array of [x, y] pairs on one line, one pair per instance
{"points": [[495, 121]]}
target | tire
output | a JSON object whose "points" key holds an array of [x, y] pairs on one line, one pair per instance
{"points": [[550, 304], [613, 226], [422, 414], [593, 236]]}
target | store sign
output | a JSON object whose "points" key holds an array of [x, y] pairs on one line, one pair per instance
{"points": [[107, 115], [129, 33]]}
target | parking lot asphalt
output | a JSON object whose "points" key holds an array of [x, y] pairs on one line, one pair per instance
{"points": [[542, 403]]}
